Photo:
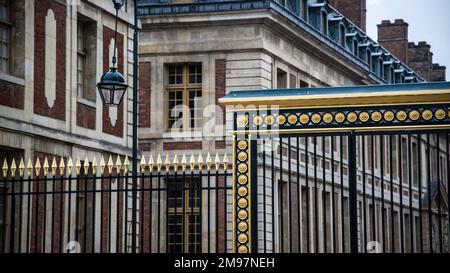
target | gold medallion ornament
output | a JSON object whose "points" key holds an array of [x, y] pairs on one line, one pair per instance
{"points": [[242, 191], [427, 115], [242, 214], [242, 121], [242, 203], [304, 118], [242, 168], [242, 145], [292, 119], [281, 119], [328, 118], [242, 238], [364, 116], [401, 115], [268, 120], [351, 117], [316, 118], [242, 249], [257, 120], [242, 179], [340, 117], [440, 114], [449, 113], [242, 226], [388, 116], [376, 116], [414, 115], [242, 156]]}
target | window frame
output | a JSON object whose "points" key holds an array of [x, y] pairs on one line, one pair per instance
{"points": [[8, 25]]}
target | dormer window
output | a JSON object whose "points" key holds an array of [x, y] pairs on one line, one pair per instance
{"points": [[355, 48], [342, 35], [324, 23]]}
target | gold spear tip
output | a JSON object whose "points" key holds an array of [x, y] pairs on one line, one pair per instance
{"points": [[21, 167], [5, 168], [143, 164], [217, 161], [208, 161], [13, 167], [183, 162], [46, 166]]}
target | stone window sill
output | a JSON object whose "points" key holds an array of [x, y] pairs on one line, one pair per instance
{"points": [[12, 79], [86, 102]]}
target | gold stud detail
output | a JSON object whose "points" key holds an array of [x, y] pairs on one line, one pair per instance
{"points": [[242, 203], [351, 117], [242, 249], [316, 118], [242, 168], [440, 114], [257, 120], [242, 156], [414, 115], [364, 116], [328, 118], [281, 119], [292, 119], [242, 226], [242, 144], [401, 115], [242, 179], [242, 191], [242, 238], [427, 115], [304, 118], [339, 117], [388, 116], [242, 214], [376, 116], [242, 121], [269, 120]]}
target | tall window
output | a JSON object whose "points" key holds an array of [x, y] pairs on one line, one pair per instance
{"points": [[342, 35], [184, 91], [324, 23], [5, 36], [81, 56]]}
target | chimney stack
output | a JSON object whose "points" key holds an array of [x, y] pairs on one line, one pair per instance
{"points": [[354, 10], [394, 37]]}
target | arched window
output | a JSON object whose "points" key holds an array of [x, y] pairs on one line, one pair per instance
{"points": [[342, 35], [324, 23]]}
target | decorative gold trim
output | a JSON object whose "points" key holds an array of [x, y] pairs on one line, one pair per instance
{"points": [[340, 117], [440, 114], [304, 118], [376, 116], [427, 114], [388, 116], [352, 117], [364, 116], [257, 120], [269, 120], [328, 118], [281, 119], [401, 115], [414, 115], [292, 119]]}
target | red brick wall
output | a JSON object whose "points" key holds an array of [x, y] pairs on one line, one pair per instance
{"points": [[420, 59], [12, 95], [144, 146], [438, 73], [85, 116], [40, 102], [144, 94], [394, 37], [220, 68], [220, 144], [354, 10], [191, 145], [108, 34]]}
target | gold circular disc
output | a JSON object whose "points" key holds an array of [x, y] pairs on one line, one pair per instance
{"points": [[339, 117], [257, 120], [281, 119], [316, 118], [242, 179], [242, 121], [376, 116], [414, 115], [242, 191], [440, 114], [242, 156], [242, 249], [304, 118], [364, 116], [242, 226], [242, 167], [351, 117], [388, 116], [242, 203], [269, 120], [242, 214], [242, 145], [292, 119], [401, 115], [427, 115], [328, 118], [242, 238]]}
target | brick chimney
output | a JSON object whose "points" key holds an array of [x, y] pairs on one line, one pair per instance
{"points": [[354, 10], [394, 37], [438, 73], [420, 59]]}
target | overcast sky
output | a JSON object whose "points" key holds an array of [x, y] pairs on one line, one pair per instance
{"points": [[428, 21]]}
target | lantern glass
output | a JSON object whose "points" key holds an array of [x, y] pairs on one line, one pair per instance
{"points": [[112, 87]]}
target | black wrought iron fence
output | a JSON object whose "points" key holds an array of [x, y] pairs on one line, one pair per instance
{"points": [[86, 207]]}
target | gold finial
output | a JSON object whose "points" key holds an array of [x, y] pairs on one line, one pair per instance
{"points": [[175, 163], [86, 166], [110, 165], [5, 168], [159, 162], [54, 166], [217, 162], [13, 168], [183, 162], [61, 166], [225, 161], [118, 164], [151, 163], [208, 162], [69, 166], [192, 163], [167, 163], [30, 167], [46, 166], [102, 165], [94, 166], [78, 166], [21, 167], [126, 164], [37, 166], [200, 162], [143, 164]]}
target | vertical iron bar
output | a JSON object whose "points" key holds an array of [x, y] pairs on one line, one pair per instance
{"points": [[272, 156], [209, 209], [316, 211], [383, 212], [110, 192], [29, 215], [53, 213], [299, 229], [280, 201], [391, 140], [141, 221], [411, 213], [447, 151], [61, 214], [102, 190], [333, 218], [438, 178], [12, 216], [342, 192], [85, 196], [20, 212], [45, 215], [69, 209], [363, 157], [307, 196], [289, 195], [217, 210], [373, 237], [125, 193], [94, 192], [430, 230], [419, 170], [264, 195], [353, 193], [167, 211], [400, 178], [324, 213]]}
